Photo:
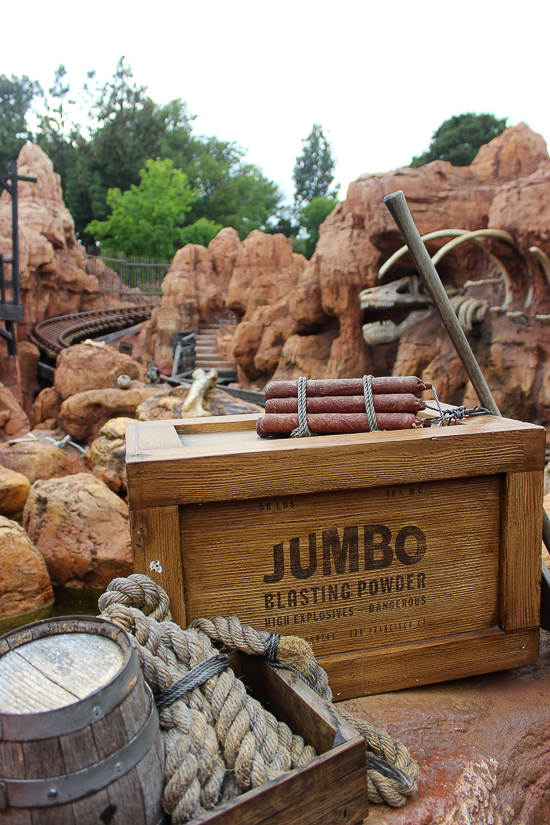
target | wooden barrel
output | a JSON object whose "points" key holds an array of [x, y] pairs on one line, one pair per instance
{"points": [[79, 733]]}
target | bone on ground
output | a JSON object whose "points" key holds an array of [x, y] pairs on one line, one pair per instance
{"points": [[202, 382]]}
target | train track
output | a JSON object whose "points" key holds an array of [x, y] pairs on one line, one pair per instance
{"points": [[55, 334]]}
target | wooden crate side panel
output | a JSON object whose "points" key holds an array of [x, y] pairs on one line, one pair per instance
{"points": [[365, 672], [325, 784], [520, 551], [222, 472], [292, 701], [155, 536], [350, 570]]}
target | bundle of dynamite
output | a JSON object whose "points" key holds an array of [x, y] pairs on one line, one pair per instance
{"points": [[341, 405]]}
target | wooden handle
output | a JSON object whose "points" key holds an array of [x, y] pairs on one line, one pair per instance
{"points": [[401, 214]]}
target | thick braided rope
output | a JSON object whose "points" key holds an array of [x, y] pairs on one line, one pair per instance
{"points": [[219, 741], [302, 430], [141, 592], [392, 772], [289, 651], [369, 403]]}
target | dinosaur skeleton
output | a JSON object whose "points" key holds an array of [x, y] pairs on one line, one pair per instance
{"points": [[406, 294]]}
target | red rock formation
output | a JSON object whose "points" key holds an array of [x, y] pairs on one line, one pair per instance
{"points": [[14, 492], [52, 263], [88, 367], [249, 278], [36, 456], [481, 745], [193, 292], [81, 528], [360, 235], [84, 414], [25, 590], [13, 421]]}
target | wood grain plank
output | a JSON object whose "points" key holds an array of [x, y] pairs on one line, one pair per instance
{"points": [[330, 566], [342, 770], [352, 812], [325, 803], [217, 423], [365, 672], [521, 541], [141, 437], [293, 702], [150, 774], [278, 467], [16, 816], [58, 815], [155, 534], [126, 793], [80, 663], [24, 689]]}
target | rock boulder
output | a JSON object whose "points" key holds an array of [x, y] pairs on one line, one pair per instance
{"points": [[13, 420], [25, 590], [38, 457], [14, 492], [81, 528], [84, 414], [83, 367], [481, 744]]}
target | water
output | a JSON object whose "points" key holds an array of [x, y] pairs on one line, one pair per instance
{"points": [[68, 602], [76, 602]]}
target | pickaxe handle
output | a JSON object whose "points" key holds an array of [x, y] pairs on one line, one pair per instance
{"points": [[400, 212]]}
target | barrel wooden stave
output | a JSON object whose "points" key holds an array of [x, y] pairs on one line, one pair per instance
{"points": [[134, 797]]}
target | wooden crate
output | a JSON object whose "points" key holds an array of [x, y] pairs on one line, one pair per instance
{"points": [[329, 790], [404, 557]]}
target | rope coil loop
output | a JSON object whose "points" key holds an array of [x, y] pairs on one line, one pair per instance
{"points": [[219, 741]]}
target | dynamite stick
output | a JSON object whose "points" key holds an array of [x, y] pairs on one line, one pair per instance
{"points": [[334, 423], [397, 402], [347, 386]]}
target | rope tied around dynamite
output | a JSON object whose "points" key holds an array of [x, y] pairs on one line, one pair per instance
{"points": [[303, 431], [219, 741]]}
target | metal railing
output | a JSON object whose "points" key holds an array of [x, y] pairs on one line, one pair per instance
{"points": [[131, 279]]}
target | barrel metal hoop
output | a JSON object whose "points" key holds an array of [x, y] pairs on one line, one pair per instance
{"points": [[59, 790], [29, 727]]}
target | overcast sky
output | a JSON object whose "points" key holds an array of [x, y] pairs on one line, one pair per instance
{"points": [[378, 76]]}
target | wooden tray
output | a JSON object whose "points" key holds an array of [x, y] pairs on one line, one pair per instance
{"points": [[330, 789]]}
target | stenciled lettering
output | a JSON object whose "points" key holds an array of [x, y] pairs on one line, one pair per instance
{"points": [[340, 555]]}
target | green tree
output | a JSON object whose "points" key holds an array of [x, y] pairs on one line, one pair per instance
{"points": [[127, 128], [58, 136], [147, 220], [312, 216], [313, 171], [231, 192], [16, 96], [459, 139], [201, 232]]}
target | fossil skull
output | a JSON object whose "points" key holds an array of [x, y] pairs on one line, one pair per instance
{"points": [[405, 294], [401, 294]]}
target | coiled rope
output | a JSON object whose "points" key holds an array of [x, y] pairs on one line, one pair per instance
{"points": [[219, 741]]}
